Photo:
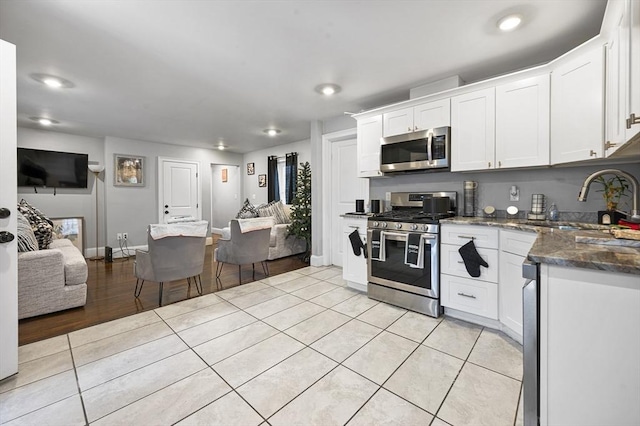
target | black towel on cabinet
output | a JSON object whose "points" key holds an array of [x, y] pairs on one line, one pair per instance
{"points": [[356, 244]]}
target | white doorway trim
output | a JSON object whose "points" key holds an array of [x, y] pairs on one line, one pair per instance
{"points": [[327, 140], [161, 161]]}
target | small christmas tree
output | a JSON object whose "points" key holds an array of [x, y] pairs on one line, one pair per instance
{"points": [[301, 209]]}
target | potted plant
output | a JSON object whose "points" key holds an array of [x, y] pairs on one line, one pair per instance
{"points": [[613, 189]]}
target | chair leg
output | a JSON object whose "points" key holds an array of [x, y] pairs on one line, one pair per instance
{"points": [[253, 267], [219, 267], [137, 291], [160, 299], [198, 282], [188, 283], [239, 274], [265, 267]]}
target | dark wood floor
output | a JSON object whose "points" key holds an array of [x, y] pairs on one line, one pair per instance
{"points": [[110, 294]]}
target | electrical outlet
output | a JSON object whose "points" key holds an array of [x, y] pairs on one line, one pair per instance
{"points": [[125, 236], [514, 193], [119, 236]]}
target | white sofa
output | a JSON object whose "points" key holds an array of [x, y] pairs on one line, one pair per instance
{"points": [[51, 280]]}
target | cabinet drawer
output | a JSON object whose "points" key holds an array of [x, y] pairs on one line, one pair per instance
{"points": [[453, 264], [467, 295], [517, 242], [482, 236], [350, 224]]}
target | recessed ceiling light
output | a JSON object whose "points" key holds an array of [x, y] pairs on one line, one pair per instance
{"points": [[510, 22], [52, 81], [44, 121], [328, 89], [221, 147], [271, 132]]}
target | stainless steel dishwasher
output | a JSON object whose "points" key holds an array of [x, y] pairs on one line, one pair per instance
{"points": [[530, 340]]}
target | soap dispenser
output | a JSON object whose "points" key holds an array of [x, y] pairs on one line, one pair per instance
{"points": [[553, 212]]}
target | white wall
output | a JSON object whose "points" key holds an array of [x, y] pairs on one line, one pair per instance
{"points": [[225, 196], [67, 202], [255, 194]]}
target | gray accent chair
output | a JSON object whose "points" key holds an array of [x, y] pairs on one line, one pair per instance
{"points": [[242, 249], [170, 259]]}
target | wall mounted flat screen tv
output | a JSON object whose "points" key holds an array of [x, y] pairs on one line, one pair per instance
{"points": [[51, 168]]}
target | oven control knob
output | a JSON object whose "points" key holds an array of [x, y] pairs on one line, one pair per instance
{"points": [[383, 225], [398, 225], [414, 227], [376, 224]]}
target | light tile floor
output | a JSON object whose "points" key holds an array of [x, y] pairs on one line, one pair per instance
{"points": [[297, 348]]}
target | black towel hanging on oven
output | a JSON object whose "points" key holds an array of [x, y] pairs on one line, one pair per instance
{"points": [[471, 258], [414, 251], [377, 245]]}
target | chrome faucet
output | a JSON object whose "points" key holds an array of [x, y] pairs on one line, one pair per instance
{"points": [[634, 215]]}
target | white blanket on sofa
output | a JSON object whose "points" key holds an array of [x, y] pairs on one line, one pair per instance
{"points": [[255, 223], [186, 229]]}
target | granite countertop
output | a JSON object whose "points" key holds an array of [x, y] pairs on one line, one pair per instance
{"points": [[357, 215], [561, 247]]}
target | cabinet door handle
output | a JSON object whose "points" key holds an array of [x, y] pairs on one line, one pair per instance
{"points": [[468, 237], [632, 120], [470, 296], [592, 153], [499, 163], [489, 163], [460, 261], [408, 129], [354, 227]]}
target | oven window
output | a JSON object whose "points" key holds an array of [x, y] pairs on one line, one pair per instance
{"points": [[394, 269], [404, 152]]}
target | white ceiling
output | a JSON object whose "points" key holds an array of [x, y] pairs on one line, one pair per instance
{"points": [[199, 72]]}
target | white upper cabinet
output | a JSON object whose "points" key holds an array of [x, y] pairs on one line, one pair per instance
{"points": [[577, 107], [623, 77], [522, 123], [421, 117], [473, 130], [617, 83], [398, 122], [369, 134], [634, 70], [432, 114]]}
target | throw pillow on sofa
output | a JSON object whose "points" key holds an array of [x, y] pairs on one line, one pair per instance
{"points": [[275, 209], [41, 225], [247, 211], [26, 238]]}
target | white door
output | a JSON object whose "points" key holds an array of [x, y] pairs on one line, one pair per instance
{"points": [[180, 189], [8, 199], [346, 187]]}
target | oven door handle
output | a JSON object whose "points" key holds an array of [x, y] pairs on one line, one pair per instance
{"points": [[404, 236], [430, 145]]}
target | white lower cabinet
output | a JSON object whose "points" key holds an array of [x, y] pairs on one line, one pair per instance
{"points": [[497, 293], [354, 268], [589, 347], [469, 295], [514, 246], [458, 289]]}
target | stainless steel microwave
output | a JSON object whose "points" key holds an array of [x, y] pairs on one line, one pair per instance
{"points": [[423, 150]]}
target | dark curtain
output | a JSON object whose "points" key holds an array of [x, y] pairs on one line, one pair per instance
{"points": [[291, 174], [273, 188]]}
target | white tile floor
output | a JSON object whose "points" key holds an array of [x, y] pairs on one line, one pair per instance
{"points": [[297, 348]]}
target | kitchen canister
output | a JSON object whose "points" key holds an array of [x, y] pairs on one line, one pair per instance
{"points": [[470, 198], [359, 206]]}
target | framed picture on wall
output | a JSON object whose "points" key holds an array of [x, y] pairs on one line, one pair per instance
{"points": [[70, 228], [262, 181], [251, 168], [225, 175], [128, 170]]}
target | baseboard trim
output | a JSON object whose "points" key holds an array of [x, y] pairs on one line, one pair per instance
{"points": [[318, 261]]}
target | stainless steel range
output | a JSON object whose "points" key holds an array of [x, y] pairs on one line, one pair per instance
{"points": [[411, 227]]}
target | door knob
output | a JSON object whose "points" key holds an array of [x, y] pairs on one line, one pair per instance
{"points": [[166, 206], [166, 212], [6, 237], [4, 213]]}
